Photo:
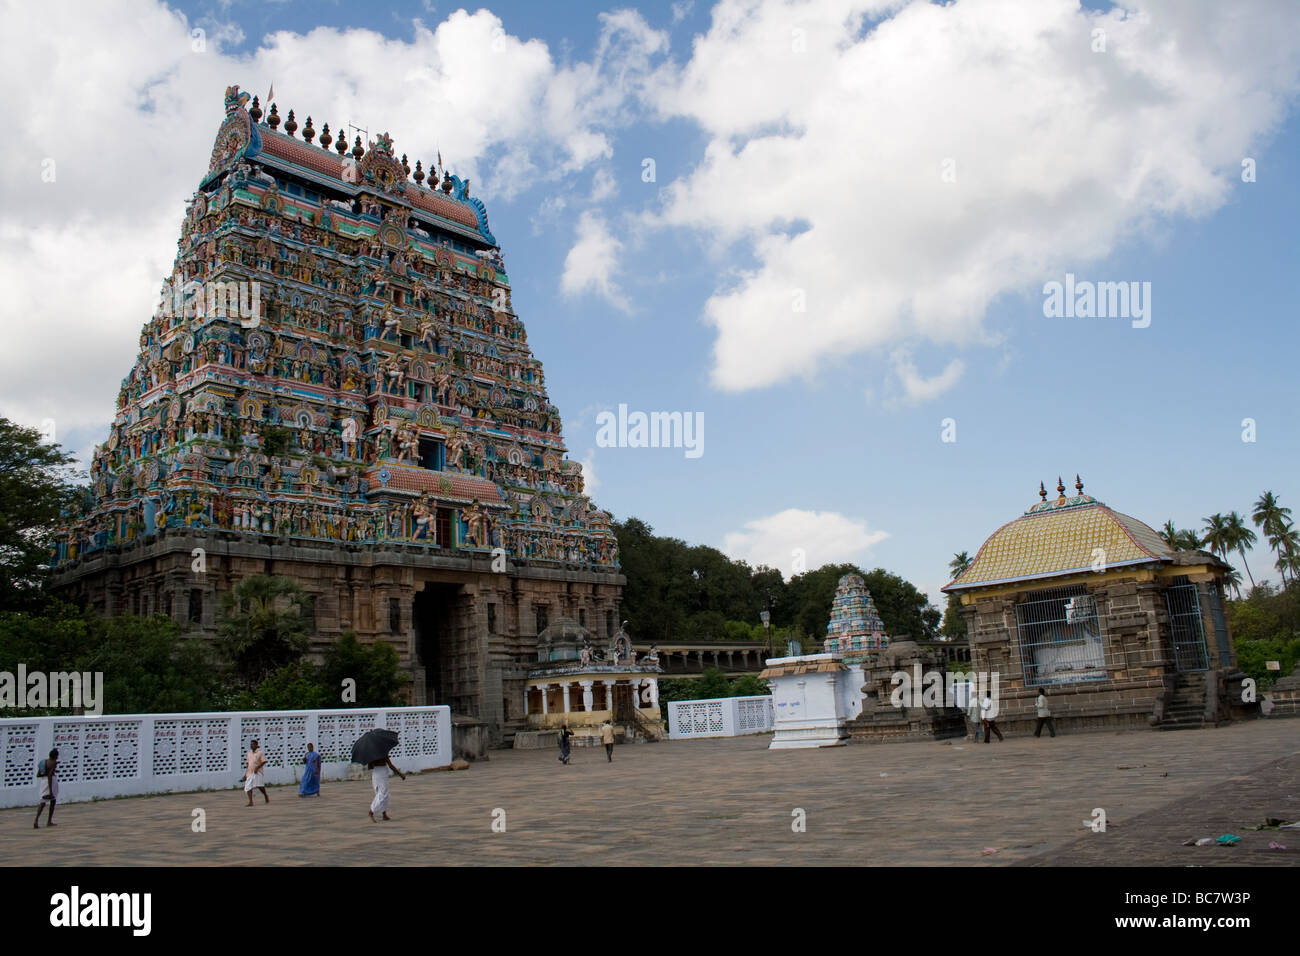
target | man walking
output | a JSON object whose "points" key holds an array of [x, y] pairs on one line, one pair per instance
{"points": [[49, 789], [607, 738], [988, 710], [973, 716], [1044, 715], [253, 779]]}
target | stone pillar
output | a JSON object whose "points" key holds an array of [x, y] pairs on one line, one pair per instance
{"points": [[654, 692], [609, 694], [542, 688], [588, 698], [564, 688], [526, 693]]}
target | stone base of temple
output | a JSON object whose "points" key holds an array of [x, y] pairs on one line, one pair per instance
{"points": [[907, 724], [1284, 697], [801, 735], [466, 634]]}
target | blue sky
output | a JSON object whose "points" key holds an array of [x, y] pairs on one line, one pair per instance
{"points": [[823, 427]]}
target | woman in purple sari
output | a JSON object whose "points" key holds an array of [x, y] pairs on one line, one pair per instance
{"points": [[310, 786]]}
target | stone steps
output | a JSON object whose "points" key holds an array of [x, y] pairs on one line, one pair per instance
{"points": [[1186, 707]]}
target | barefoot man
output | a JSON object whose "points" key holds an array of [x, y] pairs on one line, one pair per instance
{"points": [[380, 771], [253, 779], [49, 790]]}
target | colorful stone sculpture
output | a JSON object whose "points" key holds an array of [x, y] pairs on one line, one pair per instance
{"points": [[335, 356]]}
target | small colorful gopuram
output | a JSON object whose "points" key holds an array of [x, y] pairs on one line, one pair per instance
{"points": [[855, 626], [335, 387]]}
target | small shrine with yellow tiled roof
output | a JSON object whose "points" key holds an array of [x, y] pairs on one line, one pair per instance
{"points": [[1093, 608]]}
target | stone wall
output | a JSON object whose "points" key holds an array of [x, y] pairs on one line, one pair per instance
{"points": [[484, 666], [1138, 657]]}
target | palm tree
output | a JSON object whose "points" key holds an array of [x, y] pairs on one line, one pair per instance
{"points": [[960, 563], [262, 626], [1179, 539], [1274, 520], [1285, 541], [1232, 578], [1216, 535], [1240, 538]]}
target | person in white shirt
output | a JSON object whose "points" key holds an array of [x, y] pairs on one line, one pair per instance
{"points": [[973, 717], [1044, 715], [987, 712]]}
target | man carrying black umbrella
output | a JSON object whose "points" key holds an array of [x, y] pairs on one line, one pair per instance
{"points": [[380, 770], [372, 749]]}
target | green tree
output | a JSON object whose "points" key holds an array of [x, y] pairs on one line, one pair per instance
{"points": [[262, 627], [1179, 539], [293, 686], [954, 624], [374, 667], [1275, 521], [149, 667], [1239, 538], [749, 685], [36, 487]]}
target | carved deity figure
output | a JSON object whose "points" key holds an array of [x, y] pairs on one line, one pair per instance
{"points": [[408, 443], [474, 525]]}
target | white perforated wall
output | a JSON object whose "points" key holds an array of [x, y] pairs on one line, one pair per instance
{"points": [[116, 755]]}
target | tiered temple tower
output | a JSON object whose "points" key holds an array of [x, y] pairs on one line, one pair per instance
{"points": [[855, 626], [335, 387]]}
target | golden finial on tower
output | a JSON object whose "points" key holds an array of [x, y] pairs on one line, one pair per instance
{"points": [[1060, 486], [1078, 485], [1042, 492]]}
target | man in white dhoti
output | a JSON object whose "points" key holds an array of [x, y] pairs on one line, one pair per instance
{"points": [[49, 789], [380, 770], [253, 777]]}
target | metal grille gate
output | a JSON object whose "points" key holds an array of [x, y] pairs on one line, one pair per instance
{"points": [[1185, 626], [1060, 637]]}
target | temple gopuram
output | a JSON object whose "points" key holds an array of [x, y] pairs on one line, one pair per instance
{"points": [[855, 625], [335, 388]]}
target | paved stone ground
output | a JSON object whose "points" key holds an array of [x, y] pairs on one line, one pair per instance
{"points": [[730, 802]]}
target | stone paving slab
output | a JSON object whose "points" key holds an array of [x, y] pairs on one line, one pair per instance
{"points": [[1232, 806], [726, 801]]}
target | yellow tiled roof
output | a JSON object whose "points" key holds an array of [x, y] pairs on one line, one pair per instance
{"points": [[1062, 537]]}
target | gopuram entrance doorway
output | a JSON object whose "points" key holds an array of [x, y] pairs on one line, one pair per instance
{"points": [[445, 648]]}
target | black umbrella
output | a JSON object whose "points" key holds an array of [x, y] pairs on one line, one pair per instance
{"points": [[373, 745]]}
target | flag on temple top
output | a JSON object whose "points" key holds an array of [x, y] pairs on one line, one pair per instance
{"points": [[271, 95]]}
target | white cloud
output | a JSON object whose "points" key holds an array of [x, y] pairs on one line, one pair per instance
{"points": [[682, 9], [916, 387], [828, 147], [589, 480], [116, 96], [593, 261], [823, 537], [602, 185]]}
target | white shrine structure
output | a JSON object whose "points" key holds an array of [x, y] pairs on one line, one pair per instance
{"points": [[815, 696]]}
